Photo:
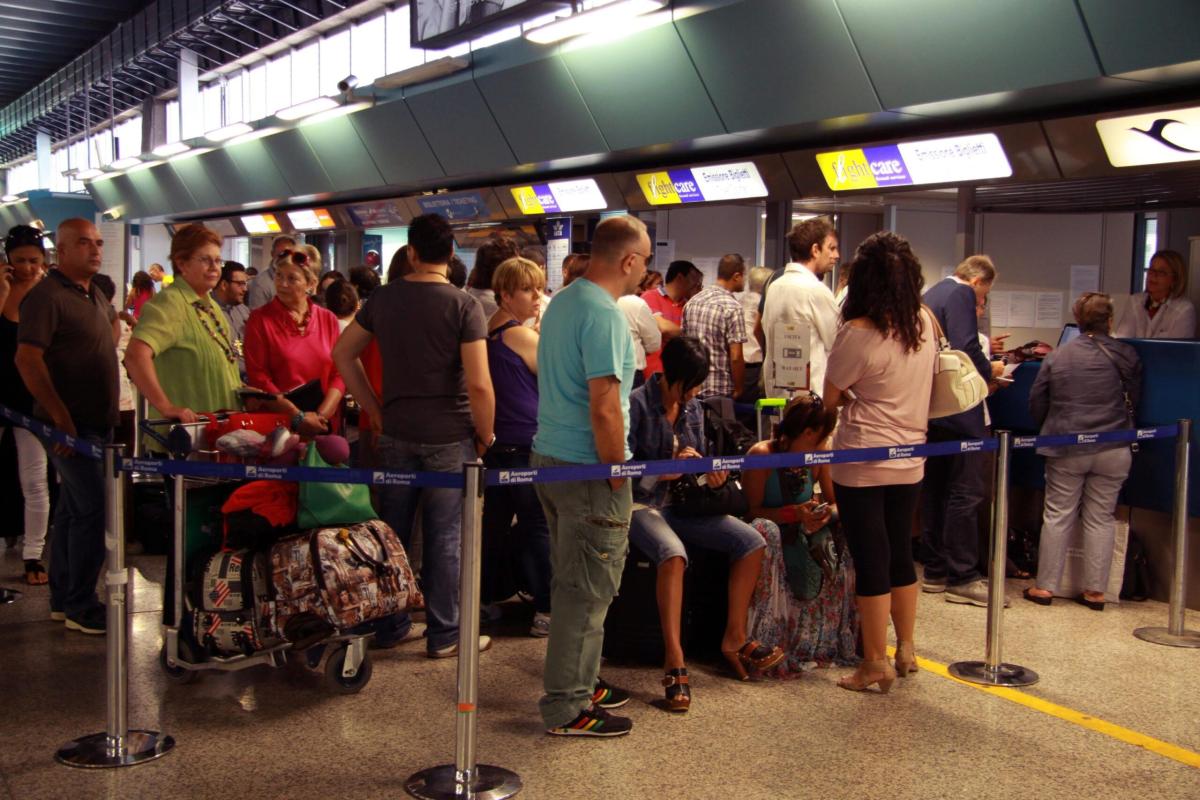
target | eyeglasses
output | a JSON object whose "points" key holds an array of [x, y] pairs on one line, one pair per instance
{"points": [[240, 283], [646, 257], [298, 257], [1162, 273]]}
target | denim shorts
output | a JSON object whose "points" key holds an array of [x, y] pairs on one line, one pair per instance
{"points": [[661, 534]]}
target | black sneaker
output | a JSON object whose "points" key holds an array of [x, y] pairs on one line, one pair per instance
{"points": [[594, 721], [607, 696], [93, 621]]}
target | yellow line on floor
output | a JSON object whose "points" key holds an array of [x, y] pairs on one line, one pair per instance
{"points": [[1171, 751]]}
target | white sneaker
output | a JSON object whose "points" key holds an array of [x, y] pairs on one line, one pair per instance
{"points": [[974, 593], [541, 625], [451, 651]]}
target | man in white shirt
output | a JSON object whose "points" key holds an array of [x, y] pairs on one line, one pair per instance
{"points": [[797, 295], [647, 338]]}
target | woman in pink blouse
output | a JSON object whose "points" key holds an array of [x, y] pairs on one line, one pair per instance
{"points": [[289, 343], [881, 374]]}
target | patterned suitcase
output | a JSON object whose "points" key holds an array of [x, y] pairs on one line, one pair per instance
{"points": [[228, 617], [344, 576]]}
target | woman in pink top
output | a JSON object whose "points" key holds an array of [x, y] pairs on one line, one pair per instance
{"points": [[881, 372], [289, 342]]}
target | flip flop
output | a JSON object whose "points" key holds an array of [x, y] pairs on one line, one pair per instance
{"points": [[35, 573]]}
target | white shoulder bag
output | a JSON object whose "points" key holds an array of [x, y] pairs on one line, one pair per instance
{"points": [[957, 384]]}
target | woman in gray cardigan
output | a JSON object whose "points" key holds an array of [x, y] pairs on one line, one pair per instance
{"points": [[1082, 387]]}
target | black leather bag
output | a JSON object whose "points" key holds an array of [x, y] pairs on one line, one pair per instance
{"points": [[690, 499]]}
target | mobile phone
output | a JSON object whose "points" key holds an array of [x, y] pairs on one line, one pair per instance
{"points": [[820, 508]]}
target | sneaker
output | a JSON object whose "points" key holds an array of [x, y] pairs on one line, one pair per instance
{"points": [[58, 616], [974, 593], [933, 585], [93, 621], [416, 630], [594, 721], [607, 696], [451, 651], [541, 625]]}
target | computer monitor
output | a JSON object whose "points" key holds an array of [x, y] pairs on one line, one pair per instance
{"points": [[1069, 332]]}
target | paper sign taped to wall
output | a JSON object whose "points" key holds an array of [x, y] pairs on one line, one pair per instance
{"points": [[791, 346]]}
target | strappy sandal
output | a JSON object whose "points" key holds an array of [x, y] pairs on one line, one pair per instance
{"points": [[678, 691], [752, 658], [35, 573]]}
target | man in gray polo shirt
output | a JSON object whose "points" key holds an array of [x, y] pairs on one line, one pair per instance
{"points": [[66, 354]]}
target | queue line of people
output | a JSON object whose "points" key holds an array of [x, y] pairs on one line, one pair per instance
{"points": [[457, 384]]}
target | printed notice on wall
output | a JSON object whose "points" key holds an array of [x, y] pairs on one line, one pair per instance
{"points": [[999, 304], [1022, 311], [558, 247], [1084, 278], [706, 265], [1049, 310], [664, 254]]}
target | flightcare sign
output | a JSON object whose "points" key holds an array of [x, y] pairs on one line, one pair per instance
{"points": [[952, 160]]}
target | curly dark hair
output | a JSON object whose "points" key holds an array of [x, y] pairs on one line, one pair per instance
{"points": [[885, 287], [490, 255]]}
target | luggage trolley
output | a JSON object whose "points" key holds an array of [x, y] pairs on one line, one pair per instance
{"points": [[347, 664]]}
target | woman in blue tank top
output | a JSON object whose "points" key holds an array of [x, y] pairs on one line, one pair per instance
{"points": [[515, 556]]}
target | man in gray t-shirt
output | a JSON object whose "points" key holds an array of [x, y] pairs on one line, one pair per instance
{"points": [[436, 410]]}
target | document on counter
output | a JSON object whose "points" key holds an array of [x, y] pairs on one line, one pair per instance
{"points": [[1022, 312], [1084, 278], [1049, 310], [999, 304]]}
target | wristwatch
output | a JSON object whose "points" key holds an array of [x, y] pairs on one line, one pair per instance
{"points": [[488, 444]]}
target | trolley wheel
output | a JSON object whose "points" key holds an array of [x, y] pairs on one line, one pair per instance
{"points": [[179, 675], [339, 682]]}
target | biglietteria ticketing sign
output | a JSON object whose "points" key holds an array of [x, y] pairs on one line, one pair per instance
{"points": [[702, 184], [953, 160]]}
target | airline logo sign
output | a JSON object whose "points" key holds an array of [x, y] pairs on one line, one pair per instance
{"points": [[702, 184], [562, 196], [1163, 137], [952, 160]]}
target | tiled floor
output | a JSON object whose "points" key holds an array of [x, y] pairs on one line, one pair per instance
{"points": [[267, 733]]}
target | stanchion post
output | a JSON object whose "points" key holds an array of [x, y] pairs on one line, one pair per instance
{"points": [[117, 746], [1176, 633], [992, 671], [140, 413], [465, 778]]}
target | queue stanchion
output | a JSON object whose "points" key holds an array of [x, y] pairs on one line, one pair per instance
{"points": [[140, 414], [992, 671], [117, 746], [465, 778], [1176, 634]]}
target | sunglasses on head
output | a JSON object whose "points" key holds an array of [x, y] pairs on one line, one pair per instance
{"points": [[298, 257]]}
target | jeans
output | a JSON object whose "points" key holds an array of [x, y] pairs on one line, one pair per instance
{"points": [[441, 526], [31, 466], [952, 495], [77, 547], [589, 539], [661, 534], [530, 536]]}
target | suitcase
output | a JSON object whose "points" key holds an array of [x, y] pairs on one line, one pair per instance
{"points": [[233, 594], [340, 576]]}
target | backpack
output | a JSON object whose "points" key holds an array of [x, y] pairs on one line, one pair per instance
{"points": [[726, 436], [1136, 583]]}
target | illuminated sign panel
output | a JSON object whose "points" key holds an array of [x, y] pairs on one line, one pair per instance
{"points": [[1162, 137], [257, 224], [951, 160], [560, 196], [311, 219], [702, 184]]}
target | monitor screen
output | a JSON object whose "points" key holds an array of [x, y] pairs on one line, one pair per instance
{"points": [[1069, 332]]}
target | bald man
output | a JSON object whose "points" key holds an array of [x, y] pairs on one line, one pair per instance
{"points": [[67, 357]]}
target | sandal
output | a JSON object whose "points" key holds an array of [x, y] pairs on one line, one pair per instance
{"points": [[752, 658], [678, 691], [35, 573]]}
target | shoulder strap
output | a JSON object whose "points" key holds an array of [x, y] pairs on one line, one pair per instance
{"points": [[1129, 415], [939, 335], [496, 333]]}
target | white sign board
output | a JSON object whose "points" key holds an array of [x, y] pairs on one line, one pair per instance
{"points": [[1161, 137], [791, 347]]}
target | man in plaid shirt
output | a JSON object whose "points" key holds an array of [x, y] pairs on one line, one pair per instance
{"points": [[715, 317]]}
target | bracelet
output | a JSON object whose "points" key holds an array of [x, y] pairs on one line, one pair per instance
{"points": [[789, 514], [297, 421]]}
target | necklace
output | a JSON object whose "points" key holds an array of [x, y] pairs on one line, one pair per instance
{"points": [[205, 313], [302, 323]]}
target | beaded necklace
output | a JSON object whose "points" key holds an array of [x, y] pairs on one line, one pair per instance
{"points": [[204, 312]]}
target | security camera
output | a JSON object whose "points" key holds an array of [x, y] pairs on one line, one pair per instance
{"points": [[347, 83]]}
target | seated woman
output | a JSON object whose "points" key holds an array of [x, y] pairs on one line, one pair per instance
{"points": [[823, 629], [666, 421], [1082, 482], [289, 344]]}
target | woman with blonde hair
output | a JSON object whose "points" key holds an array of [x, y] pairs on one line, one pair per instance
{"points": [[1162, 311]]}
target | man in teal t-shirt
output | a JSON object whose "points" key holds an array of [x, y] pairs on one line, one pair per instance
{"points": [[585, 373]]}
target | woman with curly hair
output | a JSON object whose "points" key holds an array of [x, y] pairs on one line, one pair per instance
{"points": [[881, 373]]}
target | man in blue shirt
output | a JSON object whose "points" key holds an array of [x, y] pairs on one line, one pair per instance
{"points": [[585, 373]]}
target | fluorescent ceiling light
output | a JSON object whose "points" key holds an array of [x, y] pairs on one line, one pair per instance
{"points": [[88, 174], [142, 166], [228, 132], [171, 149], [125, 163], [253, 135], [340, 111], [192, 153], [607, 18], [439, 68], [307, 108]]}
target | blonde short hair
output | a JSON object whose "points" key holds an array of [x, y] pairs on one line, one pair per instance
{"points": [[312, 262], [1093, 312], [976, 267], [515, 274], [1179, 274]]}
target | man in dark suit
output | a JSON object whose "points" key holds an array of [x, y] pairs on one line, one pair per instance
{"points": [[954, 488]]}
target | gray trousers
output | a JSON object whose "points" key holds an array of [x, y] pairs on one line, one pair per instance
{"points": [[1081, 489]]}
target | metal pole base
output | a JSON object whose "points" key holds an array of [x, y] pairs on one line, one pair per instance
{"points": [[443, 783], [1164, 636], [9, 596], [100, 750], [1003, 675]]}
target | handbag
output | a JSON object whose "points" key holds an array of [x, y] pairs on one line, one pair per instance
{"points": [[809, 560], [957, 384], [691, 499], [1130, 417], [328, 504]]}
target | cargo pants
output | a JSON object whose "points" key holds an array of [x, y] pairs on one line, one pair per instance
{"points": [[589, 538]]}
